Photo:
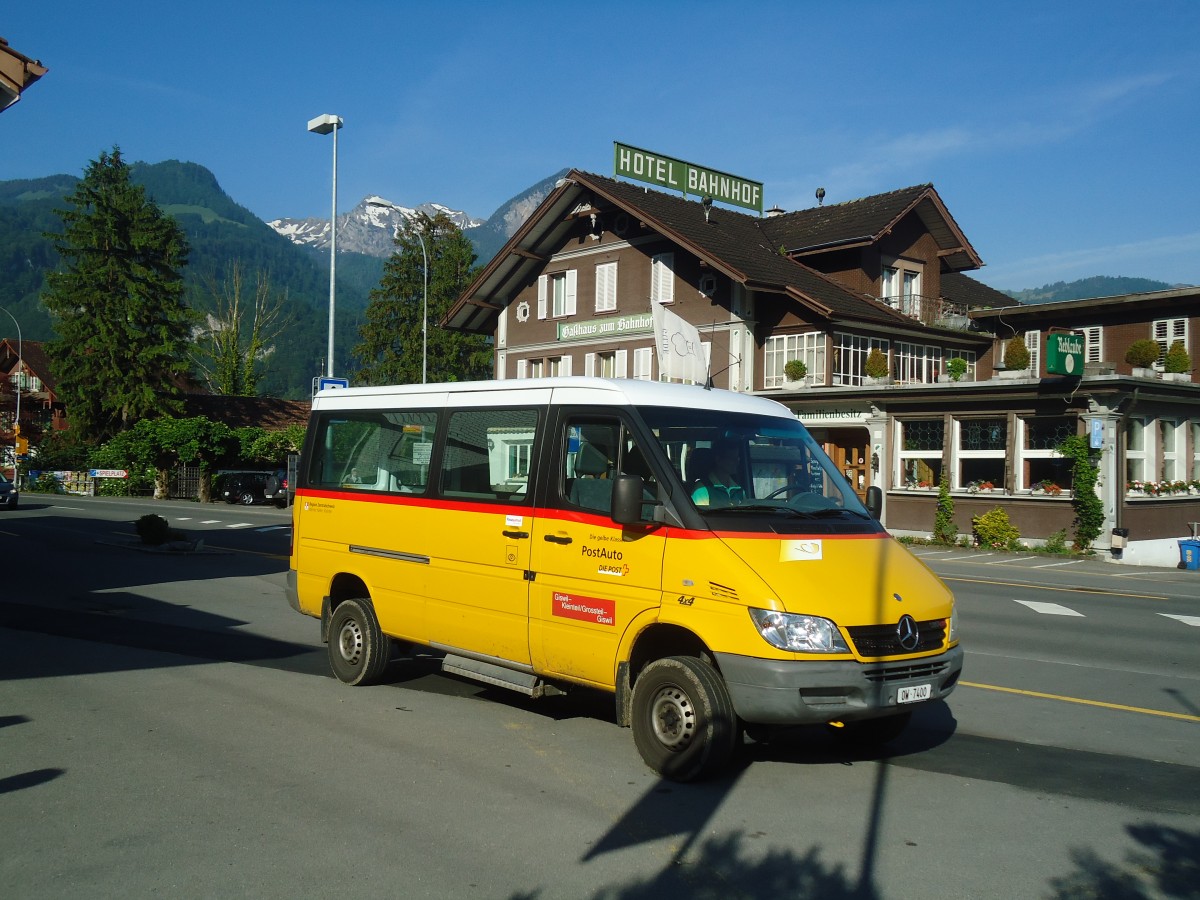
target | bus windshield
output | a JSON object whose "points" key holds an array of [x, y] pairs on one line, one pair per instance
{"points": [[733, 464]]}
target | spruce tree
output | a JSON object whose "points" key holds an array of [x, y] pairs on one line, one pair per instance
{"points": [[117, 304], [391, 346]]}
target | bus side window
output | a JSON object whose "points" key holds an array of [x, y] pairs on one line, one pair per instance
{"points": [[487, 454]]}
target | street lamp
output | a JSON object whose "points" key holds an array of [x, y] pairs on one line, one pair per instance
{"points": [[20, 373], [425, 303], [324, 125]]}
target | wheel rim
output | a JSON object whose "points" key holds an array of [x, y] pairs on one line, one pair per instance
{"points": [[350, 642], [247, 499], [673, 717]]}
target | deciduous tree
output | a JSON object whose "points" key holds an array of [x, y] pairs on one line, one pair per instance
{"points": [[238, 336]]}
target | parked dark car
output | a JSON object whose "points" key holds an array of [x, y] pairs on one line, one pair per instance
{"points": [[249, 488], [8, 493]]}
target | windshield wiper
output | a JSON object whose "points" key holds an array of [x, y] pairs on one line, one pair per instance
{"points": [[780, 510]]}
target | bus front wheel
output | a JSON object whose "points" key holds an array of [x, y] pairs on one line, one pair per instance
{"points": [[358, 649], [683, 721]]}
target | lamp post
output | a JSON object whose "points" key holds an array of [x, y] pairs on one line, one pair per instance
{"points": [[20, 372], [324, 125], [425, 301]]}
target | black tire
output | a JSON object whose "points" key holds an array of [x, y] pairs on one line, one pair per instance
{"points": [[683, 720], [358, 650], [246, 498], [872, 732]]}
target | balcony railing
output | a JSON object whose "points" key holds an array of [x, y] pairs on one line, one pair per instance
{"points": [[933, 311]]}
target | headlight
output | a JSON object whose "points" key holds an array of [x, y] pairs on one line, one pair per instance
{"points": [[953, 636], [799, 634]]}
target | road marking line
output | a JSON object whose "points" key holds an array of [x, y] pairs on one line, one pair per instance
{"points": [[1068, 590], [1071, 562], [1186, 620], [271, 528], [1050, 609], [241, 525], [183, 518], [1117, 706], [211, 522]]}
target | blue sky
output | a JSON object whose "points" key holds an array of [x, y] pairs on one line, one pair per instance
{"points": [[1063, 136]]}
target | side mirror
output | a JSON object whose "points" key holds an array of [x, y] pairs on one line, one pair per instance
{"points": [[875, 501], [627, 499]]}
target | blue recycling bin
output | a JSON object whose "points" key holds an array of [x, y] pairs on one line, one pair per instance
{"points": [[1189, 554]]}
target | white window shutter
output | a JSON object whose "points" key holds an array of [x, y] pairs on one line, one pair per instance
{"points": [[1033, 341], [621, 369], [543, 292], [522, 367], [662, 278], [589, 364], [643, 362], [566, 365], [572, 281]]}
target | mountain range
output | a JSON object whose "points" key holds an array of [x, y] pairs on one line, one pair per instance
{"points": [[292, 253], [294, 256]]}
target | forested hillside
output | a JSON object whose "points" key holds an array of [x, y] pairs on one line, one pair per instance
{"points": [[220, 233], [1086, 288]]}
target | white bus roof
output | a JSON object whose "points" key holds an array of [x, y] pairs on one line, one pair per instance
{"points": [[574, 390]]}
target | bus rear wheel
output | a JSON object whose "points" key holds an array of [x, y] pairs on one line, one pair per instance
{"points": [[358, 649], [683, 721]]}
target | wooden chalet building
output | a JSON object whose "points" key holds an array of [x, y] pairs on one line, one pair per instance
{"points": [[571, 293]]}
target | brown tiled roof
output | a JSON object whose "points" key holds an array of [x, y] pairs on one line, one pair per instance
{"points": [[855, 221], [738, 244], [239, 412], [750, 250], [972, 294], [35, 360], [867, 219]]}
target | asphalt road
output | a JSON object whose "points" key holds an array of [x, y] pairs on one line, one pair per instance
{"points": [[168, 726]]}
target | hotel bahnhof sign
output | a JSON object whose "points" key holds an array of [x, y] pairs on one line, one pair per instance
{"points": [[675, 174]]}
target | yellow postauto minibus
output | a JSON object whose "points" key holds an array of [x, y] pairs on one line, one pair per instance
{"points": [[693, 552]]}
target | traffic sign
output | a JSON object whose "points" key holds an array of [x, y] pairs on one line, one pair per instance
{"points": [[320, 384]]}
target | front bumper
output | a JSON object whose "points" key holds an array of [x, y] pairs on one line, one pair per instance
{"points": [[804, 692]]}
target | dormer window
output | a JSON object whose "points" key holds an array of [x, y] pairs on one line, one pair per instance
{"points": [[900, 286]]}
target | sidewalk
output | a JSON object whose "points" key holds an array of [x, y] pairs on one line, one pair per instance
{"points": [[1158, 554]]}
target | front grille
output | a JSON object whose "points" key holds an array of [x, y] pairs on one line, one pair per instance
{"points": [[882, 640], [920, 671]]}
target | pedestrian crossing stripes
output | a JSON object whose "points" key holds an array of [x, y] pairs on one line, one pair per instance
{"points": [[1050, 609]]}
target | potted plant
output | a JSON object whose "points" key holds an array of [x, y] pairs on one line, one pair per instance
{"points": [[1016, 358], [876, 367], [795, 370], [956, 368], [1177, 365], [1141, 355]]}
